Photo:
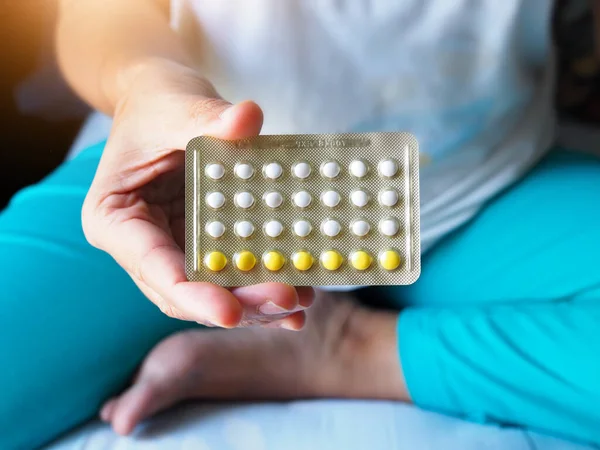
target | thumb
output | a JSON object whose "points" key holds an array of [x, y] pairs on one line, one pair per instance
{"points": [[220, 119]]}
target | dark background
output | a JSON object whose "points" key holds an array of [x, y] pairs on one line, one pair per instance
{"points": [[30, 147]]}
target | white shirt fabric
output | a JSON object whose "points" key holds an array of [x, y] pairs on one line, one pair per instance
{"points": [[472, 79]]}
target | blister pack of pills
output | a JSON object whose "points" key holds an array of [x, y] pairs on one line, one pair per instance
{"points": [[306, 210]]}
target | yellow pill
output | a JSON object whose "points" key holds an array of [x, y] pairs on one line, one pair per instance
{"points": [[361, 260], [389, 260], [215, 261], [331, 260], [273, 261], [302, 260], [245, 261]]}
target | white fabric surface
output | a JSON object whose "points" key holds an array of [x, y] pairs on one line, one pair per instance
{"points": [[471, 79]]}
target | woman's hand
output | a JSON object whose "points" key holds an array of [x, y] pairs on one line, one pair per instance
{"points": [[135, 207]]}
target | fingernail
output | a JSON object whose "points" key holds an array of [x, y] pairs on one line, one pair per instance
{"points": [[270, 308], [286, 326]]}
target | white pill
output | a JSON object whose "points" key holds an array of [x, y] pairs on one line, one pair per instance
{"points": [[359, 198], [243, 171], [215, 200], [389, 227], [273, 199], [358, 168], [273, 228], [388, 197], [215, 229], [215, 171], [331, 228], [360, 228], [244, 229], [330, 169], [273, 170], [388, 168], [244, 200], [302, 228], [330, 199], [301, 170], [302, 199]]}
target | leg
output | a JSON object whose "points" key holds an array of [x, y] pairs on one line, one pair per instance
{"points": [[462, 356], [73, 325], [505, 318]]}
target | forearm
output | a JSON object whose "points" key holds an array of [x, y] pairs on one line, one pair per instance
{"points": [[103, 44]]}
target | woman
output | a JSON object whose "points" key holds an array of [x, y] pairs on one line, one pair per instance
{"points": [[502, 324]]}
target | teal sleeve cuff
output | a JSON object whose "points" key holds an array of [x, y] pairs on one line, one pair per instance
{"points": [[423, 373]]}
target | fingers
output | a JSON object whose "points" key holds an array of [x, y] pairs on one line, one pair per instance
{"points": [[274, 302], [151, 257]]}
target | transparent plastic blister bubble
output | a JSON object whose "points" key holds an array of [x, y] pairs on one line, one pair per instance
{"points": [[306, 210]]}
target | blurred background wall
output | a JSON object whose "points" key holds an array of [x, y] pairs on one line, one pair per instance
{"points": [[39, 116]]}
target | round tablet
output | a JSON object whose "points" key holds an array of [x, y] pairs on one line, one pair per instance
{"points": [[243, 171], [301, 170], [388, 168], [358, 168], [215, 261], [273, 199], [215, 229], [244, 229], [389, 259], [215, 171], [244, 200], [273, 260], [331, 228], [359, 198], [361, 260], [273, 170], [302, 228], [389, 227], [330, 169], [302, 199], [330, 199], [388, 197], [215, 200], [302, 260], [331, 260], [244, 260], [360, 228], [273, 228]]}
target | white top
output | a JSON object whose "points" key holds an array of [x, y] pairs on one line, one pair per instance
{"points": [[471, 80]]}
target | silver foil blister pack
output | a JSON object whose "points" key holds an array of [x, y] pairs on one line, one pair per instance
{"points": [[306, 210]]}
